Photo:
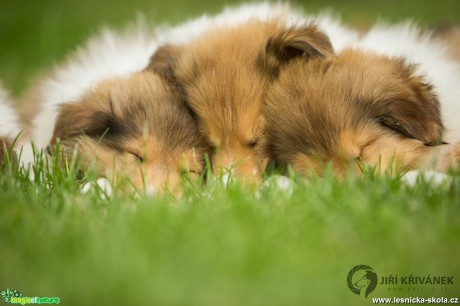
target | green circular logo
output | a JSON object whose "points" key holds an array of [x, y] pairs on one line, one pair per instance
{"points": [[362, 280]]}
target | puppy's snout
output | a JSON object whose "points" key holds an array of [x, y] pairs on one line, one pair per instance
{"points": [[241, 167], [154, 180]]}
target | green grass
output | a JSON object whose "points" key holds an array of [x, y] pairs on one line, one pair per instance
{"points": [[217, 245], [222, 245]]}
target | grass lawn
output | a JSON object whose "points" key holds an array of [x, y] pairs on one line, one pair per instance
{"points": [[218, 245]]}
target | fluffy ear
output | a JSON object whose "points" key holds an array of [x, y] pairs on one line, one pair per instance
{"points": [[163, 60], [78, 119], [307, 41], [416, 115]]}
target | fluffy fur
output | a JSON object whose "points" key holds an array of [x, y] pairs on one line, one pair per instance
{"points": [[119, 53], [449, 35], [112, 54], [334, 103], [9, 124], [105, 57], [357, 109], [108, 55], [432, 60], [135, 126], [223, 75]]}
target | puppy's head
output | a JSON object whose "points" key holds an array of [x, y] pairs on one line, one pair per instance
{"points": [[357, 108], [136, 126], [223, 76]]}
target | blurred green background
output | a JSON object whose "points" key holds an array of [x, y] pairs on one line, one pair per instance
{"points": [[35, 34]]}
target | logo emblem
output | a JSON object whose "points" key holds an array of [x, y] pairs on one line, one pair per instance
{"points": [[8, 294], [362, 280]]}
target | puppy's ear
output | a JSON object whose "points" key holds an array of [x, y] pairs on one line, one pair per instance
{"points": [[415, 114], [294, 42], [78, 119], [163, 61]]}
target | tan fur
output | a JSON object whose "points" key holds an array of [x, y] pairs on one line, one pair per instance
{"points": [[223, 76], [136, 127], [447, 158], [352, 110]]}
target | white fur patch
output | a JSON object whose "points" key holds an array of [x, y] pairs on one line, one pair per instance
{"points": [[278, 183], [9, 123], [434, 178], [340, 35], [230, 16], [150, 190], [227, 177], [102, 186]]}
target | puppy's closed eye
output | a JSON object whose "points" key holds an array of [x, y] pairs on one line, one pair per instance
{"points": [[413, 109], [138, 156], [420, 120]]}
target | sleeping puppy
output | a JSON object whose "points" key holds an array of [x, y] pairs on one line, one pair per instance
{"points": [[223, 75], [135, 126], [431, 57], [9, 125], [122, 121], [105, 56], [356, 109]]}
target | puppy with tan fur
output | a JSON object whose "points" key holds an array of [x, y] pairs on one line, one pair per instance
{"points": [[363, 108], [223, 76], [136, 126], [120, 120]]}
